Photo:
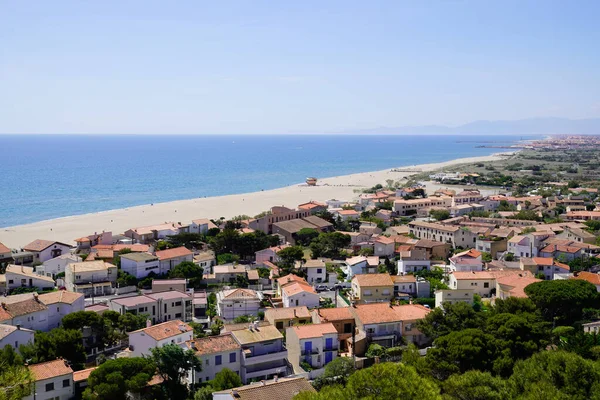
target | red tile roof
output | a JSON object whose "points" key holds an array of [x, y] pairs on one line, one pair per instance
{"points": [[369, 280], [166, 329], [83, 375], [4, 249], [39, 245], [50, 369], [173, 253], [588, 276], [314, 330], [213, 344]]}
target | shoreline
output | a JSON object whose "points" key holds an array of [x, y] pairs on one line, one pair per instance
{"points": [[67, 229]]}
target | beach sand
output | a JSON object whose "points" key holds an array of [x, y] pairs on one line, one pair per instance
{"points": [[67, 229]]}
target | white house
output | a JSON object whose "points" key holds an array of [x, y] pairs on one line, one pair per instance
{"points": [[19, 276], [44, 250], [315, 344], [215, 353], [61, 303], [25, 310], [91, 277], [171, 332], [170, 258], [384, 246], [53, 381], [139, 264], [316, 271], [201, 225], [355, 265], [296, 294], [269, 254], [469, 260], [522, 246], [346, 215], [453, 296], [237, 302], [413, 261], [15, 336], [56, 265], [146, 234]]}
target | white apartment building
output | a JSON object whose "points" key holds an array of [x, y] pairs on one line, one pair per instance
{"points": [[215, 353], [171, 332], [91, 277], [139, 264], [53, 381]]}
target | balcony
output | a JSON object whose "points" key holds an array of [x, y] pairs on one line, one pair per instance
{"points": [[311, 352], [332, 348], [278, 370], [249, 359]]}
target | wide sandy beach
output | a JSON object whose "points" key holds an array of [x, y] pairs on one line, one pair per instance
{"points": [[67, 229]]}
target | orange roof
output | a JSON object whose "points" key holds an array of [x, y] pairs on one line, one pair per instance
{"points": [[561, 248], [310, 205], [297, 287], [368, 280], [385, 240], [404, 279], [50, 369], [82, 375], [375, 313], [348, 212], [60, 296], [335, 314], [39, 245], [543, 260], [284, 280], [173, 253], [213, 344], [4, 249], [475, 275], [82, 240], [469, 253], [314, 330], [516, 283], [411, 312], [588, 276], [166, 329]]}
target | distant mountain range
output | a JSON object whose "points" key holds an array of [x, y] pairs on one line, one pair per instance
{"points": [[531, 126]]}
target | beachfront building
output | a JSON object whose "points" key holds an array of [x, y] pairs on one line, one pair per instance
{"points": [[454, 235], [53, 380], [264, 355], [313, 206], [61, 303], [215, 353], [421, 206], [372, 288], [14, 336], [170, 258], [237, 302], [171, 332], [56, 265], [44, 250], [201, 226], [289, 229], [139, 264], [5, 256], [19, 276], [315, 344], [276, 214], [147, 234], [91, 278]]}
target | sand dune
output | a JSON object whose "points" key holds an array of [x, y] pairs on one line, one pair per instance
{"points": [[67, 229]]}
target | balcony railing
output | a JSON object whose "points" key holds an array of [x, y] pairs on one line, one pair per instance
{"points": [[310, 352]]}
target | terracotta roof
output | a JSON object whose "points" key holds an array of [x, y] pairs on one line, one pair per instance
{"points": [[314, 330], [166, 329], [472, 253], [82, 240], [348, 212], [543, 260], [335, 314], [263, 333], [4, 315], [89, 266], [213, 344], [50, 369], [298, 287], [4, 249], [83, 375], [60, 296], [404, 279], [172, 253], [588, 276], [239, 293], [560, 248], [136, 248], [314, 264], [411, 312], [426, 243], [385, 240], [288, 279], [515, 284], [375, 313], [6, 330], [283, 389], [23, 307], [369, 280], [28, 271], [39, 245], [287, 313]]}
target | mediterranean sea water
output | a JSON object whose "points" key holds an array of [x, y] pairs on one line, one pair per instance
{"points": [[51, 176]]}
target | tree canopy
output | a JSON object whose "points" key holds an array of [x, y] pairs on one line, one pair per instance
{"points": [[114, 378], [172, 364]]}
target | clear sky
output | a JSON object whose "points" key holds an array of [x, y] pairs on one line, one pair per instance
{"points": [[292, 66]]}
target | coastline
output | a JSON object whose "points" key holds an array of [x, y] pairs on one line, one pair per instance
{"points": [[67, 229]]}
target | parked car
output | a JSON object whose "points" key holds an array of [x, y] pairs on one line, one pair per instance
{"points": [[321, 288]]}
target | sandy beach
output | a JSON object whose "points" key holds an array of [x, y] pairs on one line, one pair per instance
{"points": [[67, 229]]}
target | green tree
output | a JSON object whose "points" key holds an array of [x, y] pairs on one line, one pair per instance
{"points": [[204, 393], [337, 371], [562, 301], [172, 364], [115, 378], [188, 270], [125, 279], [59, 342], [439, 214], [453, 317], [226, 379], [305, 236], [288, 257], [16, 382], [475, 385], [329, 244], [486, 257], [187, 239]]}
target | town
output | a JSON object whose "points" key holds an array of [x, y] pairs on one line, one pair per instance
{"points": [[297, 298]]}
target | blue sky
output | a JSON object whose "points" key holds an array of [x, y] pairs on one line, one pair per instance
{"points": [[292, 66]]}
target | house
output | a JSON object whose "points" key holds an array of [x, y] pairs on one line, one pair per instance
{"points": [[454, 235], [139, 264], [91, 278], [453, 296], [413, 261], [61, 303], [53, 381], [491, 244], [277, 389], [522, 246], [205, 259], [237, 302], [408, 285], [582, 216], [269, 254], [228, 273], [137, 305], [200, 305], [342, 320], [201, 226], [420, 206], [80, 380], [384, 246], [314, 344], [314, 207], [215, 353], [466, 197], [577, 235], [385, 216], [264, 355], [173, 304], [289, 229], [167, 285], [469, 260], [15, 336], [316, 271], [284, 280], [481, 282], [547, 266], [513, 285], [299, 293], [591, 277], [282, 318], [409, 315], [5, 256], [57, 265], [355, 265], [372, 288], [171, 332], [276, 214], [346, 215], [44, 250], [148, 234], [564, 252], [592, 327], [369, 228], [24, 310], [19, 276], [170, 258]]}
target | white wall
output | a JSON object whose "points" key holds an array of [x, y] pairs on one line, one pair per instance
{"points": [[17, 338], [46, 254], [210, 368]]}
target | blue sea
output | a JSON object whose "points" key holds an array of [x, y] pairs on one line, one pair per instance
{"points": [[50, 176]]}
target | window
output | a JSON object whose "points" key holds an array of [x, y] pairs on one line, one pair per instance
{"points": [[178, 315], [177, 304], [486, 284], [66, 382], [207, 363], [218, 360], [232, 357], [49, 387], [319, 270]]}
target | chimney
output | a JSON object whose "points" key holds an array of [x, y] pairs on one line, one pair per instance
{"points": [[18, 327], [148, 323]]}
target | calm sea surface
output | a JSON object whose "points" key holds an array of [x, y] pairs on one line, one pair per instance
{"points": [[50, 176]]}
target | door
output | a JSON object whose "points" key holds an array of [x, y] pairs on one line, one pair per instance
{"points": [[328, 344], [328, 357], [308, 352]]}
